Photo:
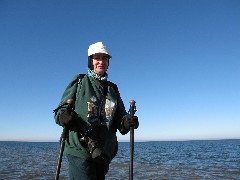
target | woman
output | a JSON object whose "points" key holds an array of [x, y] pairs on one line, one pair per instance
{"points": [[98, 113]]}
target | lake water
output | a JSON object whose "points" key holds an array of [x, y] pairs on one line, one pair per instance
{"points": [[211, 159]]}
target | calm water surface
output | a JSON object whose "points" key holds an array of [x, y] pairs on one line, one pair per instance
{"points": [[153, 160]]}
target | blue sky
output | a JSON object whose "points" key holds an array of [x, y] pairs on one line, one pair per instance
{"points": [[179, 59]]}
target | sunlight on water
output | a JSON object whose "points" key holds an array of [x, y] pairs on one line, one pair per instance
{"points": [[152, 160]]}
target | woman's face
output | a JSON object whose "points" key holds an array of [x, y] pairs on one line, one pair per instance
{"points": [[100, 63]]}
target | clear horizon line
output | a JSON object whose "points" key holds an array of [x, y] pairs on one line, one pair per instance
{"points": [[214, 139]]}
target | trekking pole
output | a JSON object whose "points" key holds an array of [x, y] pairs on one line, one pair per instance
{"points": [[62, 141], [132, 112]]}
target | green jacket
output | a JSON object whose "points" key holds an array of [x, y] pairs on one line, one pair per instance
{"points": [[93, 106]]}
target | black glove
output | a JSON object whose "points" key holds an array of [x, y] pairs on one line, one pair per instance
{"points": [[130, 122], [97, 152], [94, 148], [65, 118]]}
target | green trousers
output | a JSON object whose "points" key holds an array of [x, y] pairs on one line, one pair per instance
{"points": [[86, 169]]}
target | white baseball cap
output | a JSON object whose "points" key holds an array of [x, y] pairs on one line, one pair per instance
{"points": [[97, 47]]}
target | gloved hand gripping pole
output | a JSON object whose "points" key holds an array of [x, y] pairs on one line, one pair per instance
{"points": [[62, 140]]}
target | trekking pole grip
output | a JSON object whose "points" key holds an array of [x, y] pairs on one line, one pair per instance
{"points": [[70, 104], [132, 107]]}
